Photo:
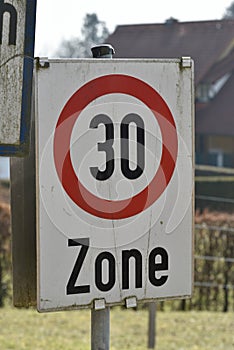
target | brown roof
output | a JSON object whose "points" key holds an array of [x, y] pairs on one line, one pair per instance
{"points": [[206, 42], [209, 43]]}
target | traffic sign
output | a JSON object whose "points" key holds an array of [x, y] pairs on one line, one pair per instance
{"points": [[101, 86], [115, 181], [17, 33]]}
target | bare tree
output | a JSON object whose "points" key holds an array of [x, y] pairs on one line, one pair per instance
{"points": [[229, 13], [93, 32]]}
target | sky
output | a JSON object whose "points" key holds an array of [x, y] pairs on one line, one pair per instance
{"points": [[58, 20]]}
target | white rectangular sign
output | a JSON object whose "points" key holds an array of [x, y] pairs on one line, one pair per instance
{"points": [[17, 32], [115, 181]]}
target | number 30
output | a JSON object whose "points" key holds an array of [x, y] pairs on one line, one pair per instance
{"points": [[107, 146]]}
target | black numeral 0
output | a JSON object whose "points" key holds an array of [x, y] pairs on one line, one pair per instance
{"points": [[107, 146], [127, 172]]}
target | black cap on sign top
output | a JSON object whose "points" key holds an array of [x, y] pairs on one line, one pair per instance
{"points": [[103, 51]]}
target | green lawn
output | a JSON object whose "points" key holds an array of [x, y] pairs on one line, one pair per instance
{"points": [[28, 330]]}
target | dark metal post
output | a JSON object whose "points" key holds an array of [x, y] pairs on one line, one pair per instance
{"points": [[100, 329], [152, 325], [23, 221], [100, 319]]}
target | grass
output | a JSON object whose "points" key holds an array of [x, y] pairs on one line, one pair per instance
{"points": [[27, 330]]}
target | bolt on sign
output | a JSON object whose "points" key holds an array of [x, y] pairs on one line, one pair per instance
{"points": [[114, 181], [17, 32]]}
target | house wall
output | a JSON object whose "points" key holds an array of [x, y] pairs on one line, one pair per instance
{"points": [[215, 150]]}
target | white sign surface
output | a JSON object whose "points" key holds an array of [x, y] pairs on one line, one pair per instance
{"points": [[115, 181], [17, 31]]}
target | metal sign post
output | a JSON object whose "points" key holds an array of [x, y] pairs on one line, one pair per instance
{"points": [[23, 223], [100, 319], [100, 329], [152, 325], [17, 35]]}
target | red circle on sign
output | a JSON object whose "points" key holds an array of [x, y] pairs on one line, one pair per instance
{"points": [[104, 85]]}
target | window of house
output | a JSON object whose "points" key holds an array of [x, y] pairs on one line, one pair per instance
{"points": [[216, 157], [207, 91]]}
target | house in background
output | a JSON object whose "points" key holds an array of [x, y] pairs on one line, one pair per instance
{"points": [[211, 45]]}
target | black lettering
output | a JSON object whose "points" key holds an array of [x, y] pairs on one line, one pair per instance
{"points": [[5, 7], [125, 156], [154, 266], [105, 287], [126, 255], [71, 287], [105, 147]]}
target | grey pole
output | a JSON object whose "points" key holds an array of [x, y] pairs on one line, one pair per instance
{"points": [[100, 329], [100, 319], [23, 223], [152, 325]]}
